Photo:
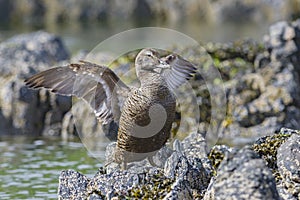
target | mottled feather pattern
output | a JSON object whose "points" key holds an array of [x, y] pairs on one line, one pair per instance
{"points": [[120, 108], [139, 102]]}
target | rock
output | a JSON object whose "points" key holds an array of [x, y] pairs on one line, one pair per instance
{"points": [[179, 190], [280, 153], [26, 54], [288, 162], [190, 174], [116, 184], [267, 147], [242, 175], [38, 12], [217, 154], [183, 176], [263, 94], [73, 185], [282, 41], [21, 109], [253, 11], [232, 10], [194, 145]]}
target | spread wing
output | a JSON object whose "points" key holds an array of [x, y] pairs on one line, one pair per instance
{"points": [[99, 86], [181, 70]]}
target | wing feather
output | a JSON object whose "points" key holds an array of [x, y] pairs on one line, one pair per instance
{"points": [[95, 84], [180, 70]]}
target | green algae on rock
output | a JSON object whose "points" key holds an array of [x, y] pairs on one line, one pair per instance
{"points": [[267, 147], [216, 156], [271, 149]]}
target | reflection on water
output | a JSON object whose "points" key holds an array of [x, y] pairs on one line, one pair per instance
{"points": [[30, 167]]}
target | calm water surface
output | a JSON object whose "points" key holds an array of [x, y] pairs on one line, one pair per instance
{"points": [[78, 36], [30, 167]]}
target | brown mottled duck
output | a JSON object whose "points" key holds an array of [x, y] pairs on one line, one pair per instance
{"points": [[140, 117]]}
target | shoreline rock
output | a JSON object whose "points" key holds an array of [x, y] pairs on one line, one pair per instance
{"points": [[242, 173]]}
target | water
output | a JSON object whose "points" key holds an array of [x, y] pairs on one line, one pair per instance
{"points": [[30, 167], [78, 36]]}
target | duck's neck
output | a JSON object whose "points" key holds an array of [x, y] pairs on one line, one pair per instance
{"points": [[149, 79]]}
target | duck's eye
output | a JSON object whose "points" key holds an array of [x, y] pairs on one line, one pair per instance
{"points": [[149, 55]]}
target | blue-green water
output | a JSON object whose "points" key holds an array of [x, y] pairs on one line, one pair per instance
{"points": [[30, 167]]}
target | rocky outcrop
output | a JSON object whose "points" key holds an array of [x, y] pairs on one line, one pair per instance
{"points": [[288, 162], [183, 175], [281, 154], [25, 111], [261, 83], [242, 174]]}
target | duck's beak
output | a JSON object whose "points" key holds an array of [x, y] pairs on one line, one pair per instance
{"points": [[163, 64]]}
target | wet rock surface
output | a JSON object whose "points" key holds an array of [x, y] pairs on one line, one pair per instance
{"points": [[73, 187], [288, 162], [281, 154], [241, 173], [182, 176]]}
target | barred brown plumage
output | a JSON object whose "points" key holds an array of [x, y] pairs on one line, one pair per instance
{"points": [[141, 117]]}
